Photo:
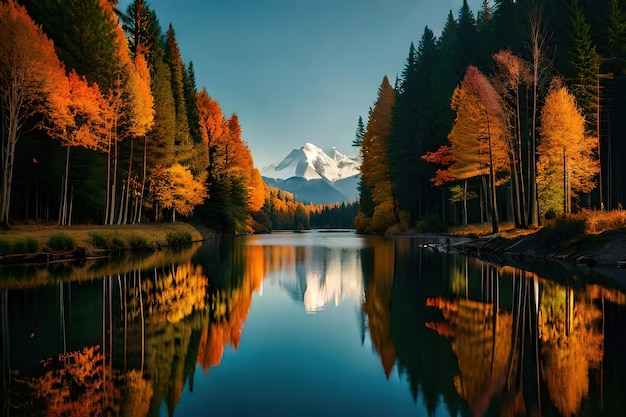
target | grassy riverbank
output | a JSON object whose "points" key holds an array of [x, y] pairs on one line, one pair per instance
{"points": [[93, 240], [588, 237]]}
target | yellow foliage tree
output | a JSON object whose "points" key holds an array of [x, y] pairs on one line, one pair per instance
{"points": [[175, 188], [567, 163]]}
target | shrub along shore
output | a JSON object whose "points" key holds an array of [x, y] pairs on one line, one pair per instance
{"points": [[47, 243]]}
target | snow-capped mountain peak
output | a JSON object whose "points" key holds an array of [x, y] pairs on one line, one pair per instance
{"points": [[311, 162]]}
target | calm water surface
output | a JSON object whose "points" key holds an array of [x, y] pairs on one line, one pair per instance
{"points": [[311, 324]]}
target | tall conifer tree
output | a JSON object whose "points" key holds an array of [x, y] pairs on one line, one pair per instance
{"points": [[585, 67], [376, 190], [585, 73], [360, 132], [467, 38], [182, 138]]}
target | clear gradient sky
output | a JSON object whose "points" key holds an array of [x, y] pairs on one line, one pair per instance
{"points": [[298, 71]]}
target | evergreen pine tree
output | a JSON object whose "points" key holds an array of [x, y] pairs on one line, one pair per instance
{"points": [[83, 35], [182, 138], [405, 135], [143, 29], [485, 36], [584, 73], [467, 38], [413, 132], [191, 92], [509, 31], [360, 131]]}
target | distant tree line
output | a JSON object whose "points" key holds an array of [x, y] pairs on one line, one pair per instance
{"points": [[281, 211], [512, 114]]}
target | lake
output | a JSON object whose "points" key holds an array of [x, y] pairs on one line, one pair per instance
{"points": [[311, 324]]}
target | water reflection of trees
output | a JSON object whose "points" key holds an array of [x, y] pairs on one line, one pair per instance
{"points": [[156, 323], [397, 287], [376, 304], [470, 335], [525, 344], [229, 309]]}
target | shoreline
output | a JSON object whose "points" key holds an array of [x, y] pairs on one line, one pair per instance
{"points": [[126, 239], [605, 252]]}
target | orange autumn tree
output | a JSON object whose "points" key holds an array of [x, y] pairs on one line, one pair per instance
{"points": [[478, 146], [234, 185], [378, 208], [32, 82], [567, 163], [242, 163], [88, 109]]}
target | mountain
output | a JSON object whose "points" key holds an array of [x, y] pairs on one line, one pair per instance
{"points": [[311, 162], [315, 176]]}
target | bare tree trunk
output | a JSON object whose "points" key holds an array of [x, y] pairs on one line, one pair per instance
{"points": [[538, 40], [465, 204], [484, 213], [63, 207], [143, 180], [69, 214], [114, 183], [120, 212], [127, 193], [7, 178], [60, 215], [492, 184], [600, 188], [108, 188], [521, 191]]}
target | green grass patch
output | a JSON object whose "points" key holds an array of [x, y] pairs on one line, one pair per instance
{"points": [[178, 238], [60, 242], [107, 240], [139, 243], [18, 246]]}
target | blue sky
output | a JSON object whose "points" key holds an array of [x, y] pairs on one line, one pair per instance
{"points": [[298, 71]]}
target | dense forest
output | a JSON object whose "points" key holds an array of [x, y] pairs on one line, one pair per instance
{"points": [[511, 114], [102, 122]]}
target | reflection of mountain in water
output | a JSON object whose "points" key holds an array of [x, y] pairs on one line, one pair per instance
{"points": [[320, 275]]}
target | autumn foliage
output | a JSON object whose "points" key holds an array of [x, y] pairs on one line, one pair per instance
{"points": [[378, 206], [32, 82], [567, 163], [149, 146], [233, 182]]}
